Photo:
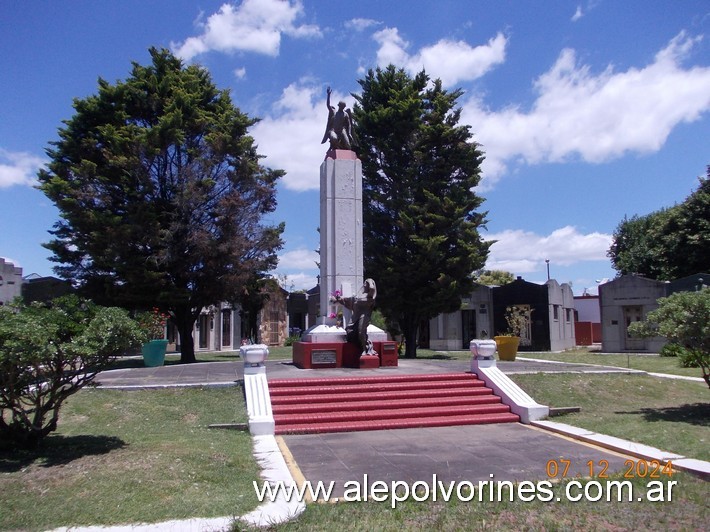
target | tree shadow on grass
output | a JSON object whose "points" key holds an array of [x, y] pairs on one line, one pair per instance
{"points": [[694, 414], [133, 362], [438, 356], [430, 354], [58, 450]]}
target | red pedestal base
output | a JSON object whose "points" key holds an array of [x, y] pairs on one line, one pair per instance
{"points": [[311, 355], [369, 361], [307, 355], [387, 352], [351, 356]]}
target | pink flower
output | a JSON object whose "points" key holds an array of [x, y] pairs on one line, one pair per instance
{"points": [[331, 315]]}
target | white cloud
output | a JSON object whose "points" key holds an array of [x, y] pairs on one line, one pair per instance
{"points": [[577, 14], [240, 73], [361, 24], [583, 12], [521, 251], [253, 26], [18, 168], [594, 117], [298, 268], [9, 260], [392, 47], [299, 281], [291, 135], [451, 61], [298, 259]]}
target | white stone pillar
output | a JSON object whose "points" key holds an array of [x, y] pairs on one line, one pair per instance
{"points": [[341, 260]]}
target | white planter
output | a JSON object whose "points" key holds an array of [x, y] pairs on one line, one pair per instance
{"points": [[254, 355], [483, 349]]}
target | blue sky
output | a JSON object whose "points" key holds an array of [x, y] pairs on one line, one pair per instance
{"points": [[587, 111]]}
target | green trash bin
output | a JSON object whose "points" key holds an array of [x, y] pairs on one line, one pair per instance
{"points": [[154, 353]]}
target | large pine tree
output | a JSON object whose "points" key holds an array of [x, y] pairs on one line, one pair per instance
{"points": [[420, 212], [161, 195]]}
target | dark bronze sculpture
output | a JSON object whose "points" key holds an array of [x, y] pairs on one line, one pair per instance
{"points": [[339, 129], [361, 306]]}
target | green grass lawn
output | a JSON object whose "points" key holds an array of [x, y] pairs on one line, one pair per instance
{"points": [[127, 457], [651, 363], [280, 353], [172, 359], [669, 414]]}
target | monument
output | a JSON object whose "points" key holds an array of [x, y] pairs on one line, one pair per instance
{"points": [[339, 128], [342, 284]]}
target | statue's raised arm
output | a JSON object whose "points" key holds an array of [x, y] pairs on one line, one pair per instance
{"points": [[328, 91]]}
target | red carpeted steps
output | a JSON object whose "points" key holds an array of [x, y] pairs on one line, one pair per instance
{"points": [[343, 404]]}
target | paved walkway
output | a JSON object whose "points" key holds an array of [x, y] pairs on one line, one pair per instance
{"points": [[473, 453], [513, 452], [228, 373]]}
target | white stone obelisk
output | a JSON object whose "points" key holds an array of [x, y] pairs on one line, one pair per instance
{"points": [[341, 263], [341, 251]]}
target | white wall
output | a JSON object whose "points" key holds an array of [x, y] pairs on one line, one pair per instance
{"points": [[588, 308], [445, 331], [561, 298], [11, 284], [628, 291]]}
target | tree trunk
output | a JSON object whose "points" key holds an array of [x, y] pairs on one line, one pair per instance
{"points": [[410, 329], [185, 322], [253, 327], [187, 346]]}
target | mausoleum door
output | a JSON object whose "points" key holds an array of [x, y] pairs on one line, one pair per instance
{"points": [[526, 332], [204, 333], [468, 327], [632, 314], [227, 328]]}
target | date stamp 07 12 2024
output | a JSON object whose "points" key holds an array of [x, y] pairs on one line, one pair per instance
{"points": [[653, 469]]}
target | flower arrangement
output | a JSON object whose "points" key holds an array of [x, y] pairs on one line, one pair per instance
{"points": [[152, 324], [518, 318], [335, 296], [336, 300]]}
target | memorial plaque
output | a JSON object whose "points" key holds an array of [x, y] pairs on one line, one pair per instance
{"points": [[323, 356]]}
